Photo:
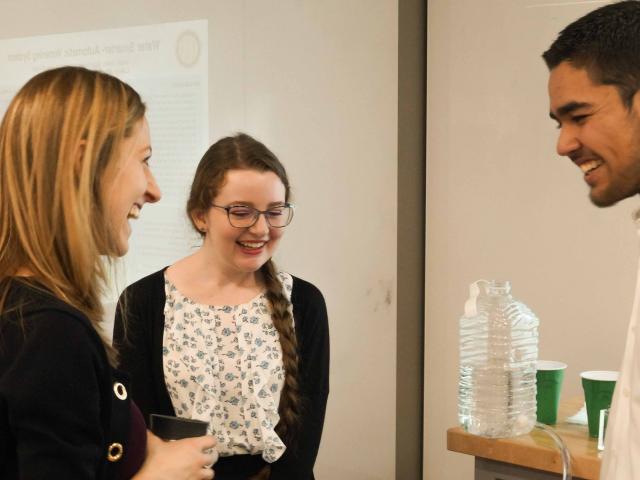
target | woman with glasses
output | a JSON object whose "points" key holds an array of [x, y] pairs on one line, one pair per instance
{"points": [[74, 171], [224, 336]]}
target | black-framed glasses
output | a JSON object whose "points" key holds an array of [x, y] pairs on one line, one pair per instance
{"points": [[244, 216]]}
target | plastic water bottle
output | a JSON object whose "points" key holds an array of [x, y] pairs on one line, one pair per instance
{"points": [[498, 354]]}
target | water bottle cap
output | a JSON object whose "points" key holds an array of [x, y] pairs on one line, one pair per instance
{"points": [[493, 287]]}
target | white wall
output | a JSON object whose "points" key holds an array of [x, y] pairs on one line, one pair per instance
{"points": [[317, 82], [501, 204]]}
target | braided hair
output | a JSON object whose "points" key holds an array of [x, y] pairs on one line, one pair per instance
{"points": [[238, 152]]}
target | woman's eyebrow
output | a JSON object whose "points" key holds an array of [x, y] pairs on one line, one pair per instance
{"points": [[279, 203]]}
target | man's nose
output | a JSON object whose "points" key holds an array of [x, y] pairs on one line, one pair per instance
{"points": [[567, 141]]}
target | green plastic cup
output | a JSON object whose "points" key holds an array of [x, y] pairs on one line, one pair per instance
{"points": [[549, 377], [598, 390]]}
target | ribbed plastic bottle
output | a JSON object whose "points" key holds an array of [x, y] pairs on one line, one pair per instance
{"points": [[498, 354]]}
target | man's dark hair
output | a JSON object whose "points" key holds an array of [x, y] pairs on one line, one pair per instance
{"points": [[605, 42]]}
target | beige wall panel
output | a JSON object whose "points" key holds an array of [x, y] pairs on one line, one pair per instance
{"points": [[502, 205]]}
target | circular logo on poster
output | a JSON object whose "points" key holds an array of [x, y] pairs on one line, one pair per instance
{"points": [[188, 48]]}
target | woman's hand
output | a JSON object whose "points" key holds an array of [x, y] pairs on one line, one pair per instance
{"points": [[187, 459]]}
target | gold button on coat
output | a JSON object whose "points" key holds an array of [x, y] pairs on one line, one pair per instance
{"points": [[115, 451], [120, 391]]}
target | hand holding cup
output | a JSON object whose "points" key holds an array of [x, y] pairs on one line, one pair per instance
{"points": [[184, 459], [178, 449]]}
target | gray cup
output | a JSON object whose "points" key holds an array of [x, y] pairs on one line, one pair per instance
{"points": [[176, 428]]}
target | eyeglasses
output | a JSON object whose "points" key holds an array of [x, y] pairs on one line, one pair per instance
{"points": [[243, 216]]}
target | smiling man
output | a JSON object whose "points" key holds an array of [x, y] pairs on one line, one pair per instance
{"points": [[594, 77]]}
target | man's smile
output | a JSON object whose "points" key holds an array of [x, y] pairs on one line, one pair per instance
{"points": [[588, 166]]}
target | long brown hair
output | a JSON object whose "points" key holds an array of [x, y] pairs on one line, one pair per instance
{"points": [[57, 137], [241, 151]]}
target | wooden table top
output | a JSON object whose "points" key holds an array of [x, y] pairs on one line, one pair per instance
{"points": [[537, 449]]}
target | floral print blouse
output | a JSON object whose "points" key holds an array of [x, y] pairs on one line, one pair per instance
{"points": [[223, 364]]}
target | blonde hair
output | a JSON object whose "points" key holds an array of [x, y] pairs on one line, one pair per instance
{"points": [[57, 137]]}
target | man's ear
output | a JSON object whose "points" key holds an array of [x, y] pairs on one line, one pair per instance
{"points": [[635, 102]]}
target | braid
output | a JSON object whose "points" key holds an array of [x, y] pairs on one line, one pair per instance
{"points": [[290, 408]]}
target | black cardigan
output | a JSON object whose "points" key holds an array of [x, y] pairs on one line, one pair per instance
{"points": [[59, 413], [141, 357]]}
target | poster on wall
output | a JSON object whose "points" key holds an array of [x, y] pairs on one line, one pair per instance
{"points": [[168, 65]]}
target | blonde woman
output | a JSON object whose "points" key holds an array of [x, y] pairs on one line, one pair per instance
{"points": [[223, 335], [74, 171]]}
